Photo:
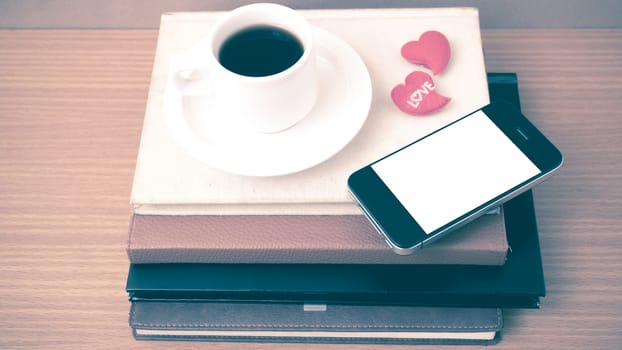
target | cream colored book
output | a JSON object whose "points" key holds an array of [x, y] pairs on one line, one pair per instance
{"points": [[170, 181]]}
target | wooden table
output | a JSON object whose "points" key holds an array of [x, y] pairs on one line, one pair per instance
{"points": [[71, 111]]}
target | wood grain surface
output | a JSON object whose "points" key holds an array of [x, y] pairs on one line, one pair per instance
{"points": [[71, 111]]}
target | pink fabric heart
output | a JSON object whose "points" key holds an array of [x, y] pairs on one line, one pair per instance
{"points": [[418, 96], [431, 50]]}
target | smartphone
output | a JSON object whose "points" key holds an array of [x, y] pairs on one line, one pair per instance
{"points": [[442, 181]]}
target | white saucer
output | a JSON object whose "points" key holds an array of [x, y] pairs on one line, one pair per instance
{"points": [[340, 112]]}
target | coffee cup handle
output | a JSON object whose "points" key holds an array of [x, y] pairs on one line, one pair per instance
{"points": [[189, 75]]}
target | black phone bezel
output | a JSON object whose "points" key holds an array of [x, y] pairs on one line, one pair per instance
{"points": [[394, 222]]}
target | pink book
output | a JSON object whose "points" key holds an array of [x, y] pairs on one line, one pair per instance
{"points": [[335, 239]]}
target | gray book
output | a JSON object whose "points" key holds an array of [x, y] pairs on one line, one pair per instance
{"points": [[319, 323]]}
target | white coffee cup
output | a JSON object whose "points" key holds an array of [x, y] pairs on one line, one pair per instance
{"points": [[267, 103]]}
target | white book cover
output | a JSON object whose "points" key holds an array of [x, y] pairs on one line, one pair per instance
{"points": [[170, 181]]}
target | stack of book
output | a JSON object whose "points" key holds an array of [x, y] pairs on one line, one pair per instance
{"points": [[219, 256]]}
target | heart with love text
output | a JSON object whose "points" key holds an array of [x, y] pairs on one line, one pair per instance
{"points": [[418, 96]]}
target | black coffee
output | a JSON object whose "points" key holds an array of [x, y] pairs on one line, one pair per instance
{"points": [[259, 51]]}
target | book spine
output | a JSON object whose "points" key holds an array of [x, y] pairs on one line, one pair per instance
{"points": [[335, 239], [272, 322]]}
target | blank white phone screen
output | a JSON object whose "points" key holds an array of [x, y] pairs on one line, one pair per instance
{"points": [[445, 175]]}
